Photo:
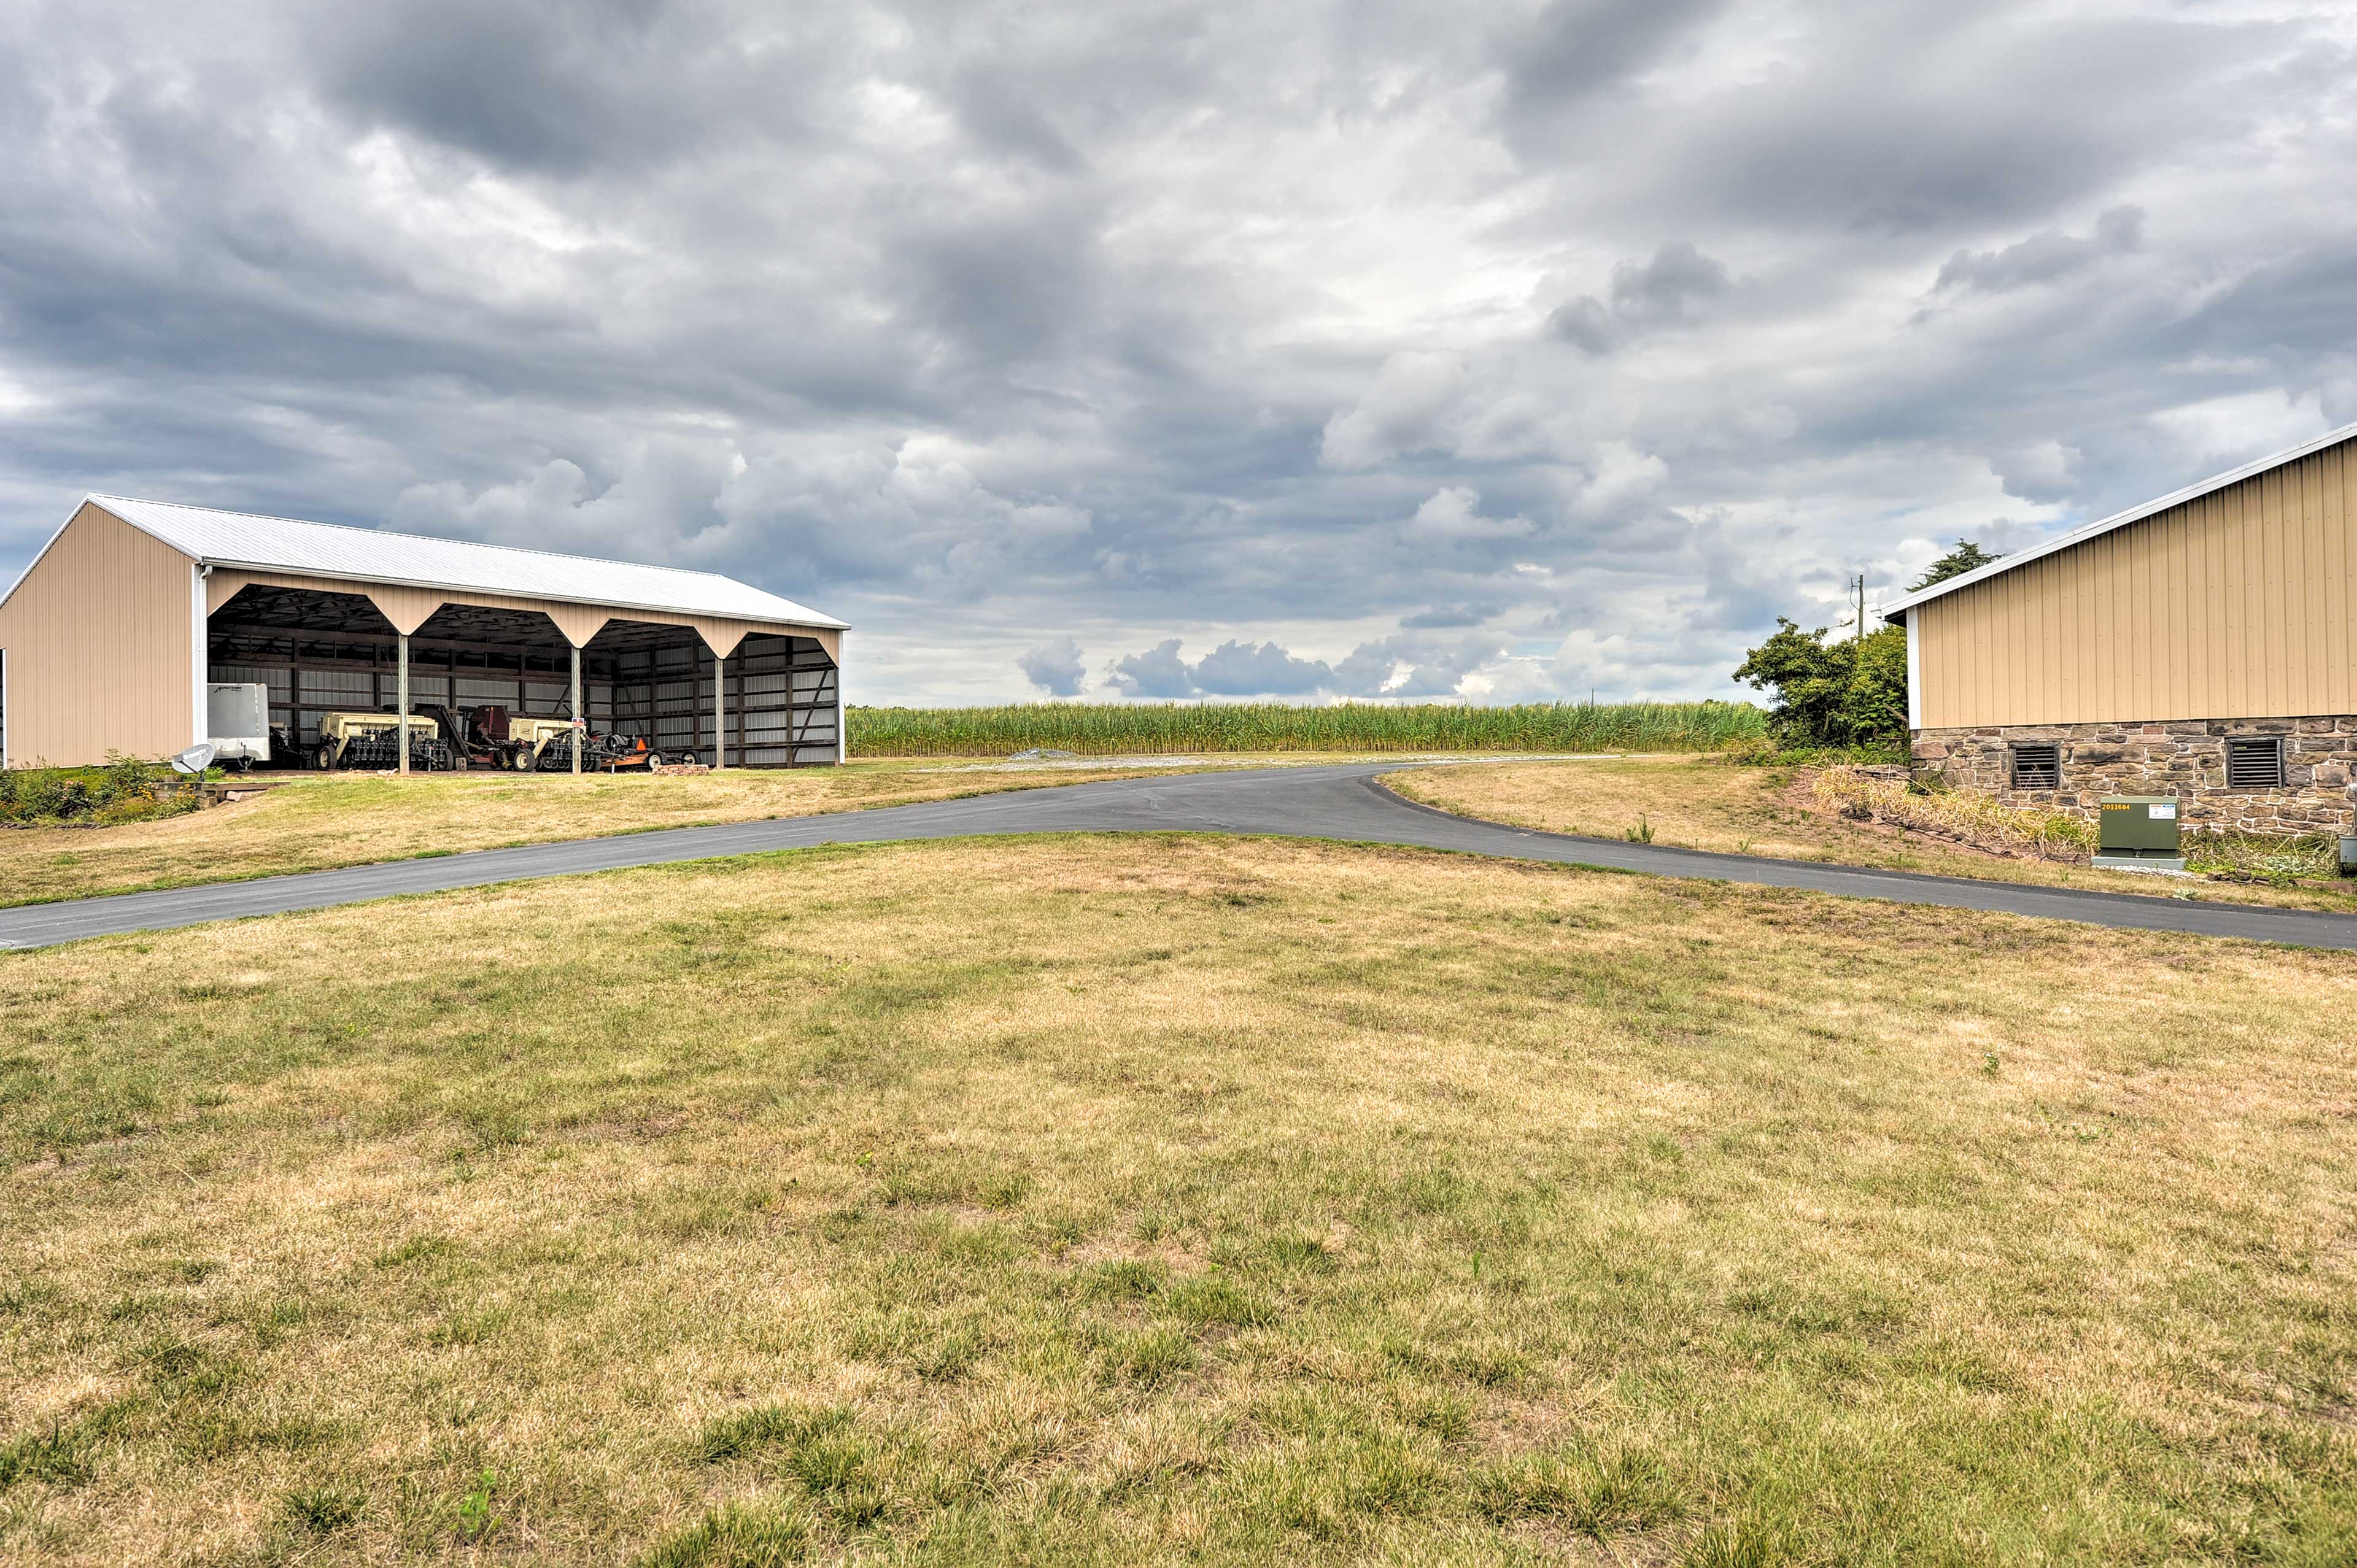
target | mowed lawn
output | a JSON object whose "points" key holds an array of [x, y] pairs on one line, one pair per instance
{"points": [[1108, 1200], [312, 823], [1699, 803]]}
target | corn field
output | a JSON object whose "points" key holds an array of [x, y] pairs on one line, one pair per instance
{"points": [[1111, 729]]}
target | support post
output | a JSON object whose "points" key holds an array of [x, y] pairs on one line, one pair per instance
{"points": [[719, 711], [580, 720], [401, 735]]}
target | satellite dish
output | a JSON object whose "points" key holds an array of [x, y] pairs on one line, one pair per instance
{"points": [[196, 759]]}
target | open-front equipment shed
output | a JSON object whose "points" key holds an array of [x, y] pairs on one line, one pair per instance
{"points": [[110, 641]]}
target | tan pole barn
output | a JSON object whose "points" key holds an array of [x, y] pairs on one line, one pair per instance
{"points": [[2202, 644], [110, 638]]}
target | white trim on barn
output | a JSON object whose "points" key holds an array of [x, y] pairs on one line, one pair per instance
{"points": [[1914, 676], [200, 720]]}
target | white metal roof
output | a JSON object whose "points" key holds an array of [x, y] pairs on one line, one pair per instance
{"points": [[236, 539], [1897, 607]]}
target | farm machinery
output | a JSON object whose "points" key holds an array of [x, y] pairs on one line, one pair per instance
{"points": [[443, 739], [545, 745], [481, 737], [374, 740]]}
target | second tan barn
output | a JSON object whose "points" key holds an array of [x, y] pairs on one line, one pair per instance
{"points": [[2202, 645], [110, 638]]}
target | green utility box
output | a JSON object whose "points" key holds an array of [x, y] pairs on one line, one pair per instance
{"points": [[2138, 833]]}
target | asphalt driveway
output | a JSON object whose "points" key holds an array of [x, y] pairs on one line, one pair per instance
{"points": [[1343, 803]]}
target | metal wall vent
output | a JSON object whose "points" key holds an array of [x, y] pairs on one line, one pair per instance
{"points": [[2038, 766], [2255, 762]]}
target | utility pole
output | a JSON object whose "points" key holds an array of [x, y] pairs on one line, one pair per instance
{"points": [[1861, 607]]}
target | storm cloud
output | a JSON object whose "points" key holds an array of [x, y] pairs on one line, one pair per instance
{"points": [[1188, 350]]}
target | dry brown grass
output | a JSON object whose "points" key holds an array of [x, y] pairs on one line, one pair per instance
{"points": [[1109, 1200], [1757, 810], [313, 823]]}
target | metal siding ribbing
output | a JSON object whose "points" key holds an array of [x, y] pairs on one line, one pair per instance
{"points": [[2331, 483], [2236, 604], [98, 635]]}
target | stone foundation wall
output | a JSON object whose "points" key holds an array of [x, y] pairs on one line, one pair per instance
{"points": [[2186, 758]]}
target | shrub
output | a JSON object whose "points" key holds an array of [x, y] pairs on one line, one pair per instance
{"points": [[124, 789], [1968, 816], [2261, 857], [1846, 694]]}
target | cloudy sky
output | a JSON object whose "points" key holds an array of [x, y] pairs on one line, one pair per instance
{"points": [[1504, 352]]}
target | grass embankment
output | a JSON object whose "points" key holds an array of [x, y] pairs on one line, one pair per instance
{"points": [[1106, 1201], [1770, 811], [1104, 729], [314, 823], [123, 791]]}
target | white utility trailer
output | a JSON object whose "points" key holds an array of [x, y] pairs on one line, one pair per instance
{"points": [[237, 715]]}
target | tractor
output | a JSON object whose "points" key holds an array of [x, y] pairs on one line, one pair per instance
{"points": [[478, 737]]}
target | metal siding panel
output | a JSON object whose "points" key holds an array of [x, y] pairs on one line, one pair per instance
{"points": [[2152, 609], [2273, 610], [2245, 589], [1920, 686], [2219, 651], [1965, 636], [1938, 669], [1984, 700], [1961, 674], [99, 635], [2081, 587], [2128, 607], [1969, 650], [2160, 549], [1994, 694], [1949, 681], [2101, 667], [2257, 674], [2127, 604], [2136, 616], [2050, 639], [2037, 651], [2311, 691], [2233, 562], [1999, 603], [2182, 588], [2022, 634], [2337, 576]]}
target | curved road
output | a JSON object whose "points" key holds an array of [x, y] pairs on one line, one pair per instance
{"points": [[1332, 802]]}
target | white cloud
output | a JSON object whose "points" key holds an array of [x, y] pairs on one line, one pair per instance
{"points": [[1453, 513], [1404, 411], [1435, 350]]}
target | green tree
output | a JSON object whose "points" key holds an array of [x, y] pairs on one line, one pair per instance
{"points": [[1852, 692], [1964, 558]]}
